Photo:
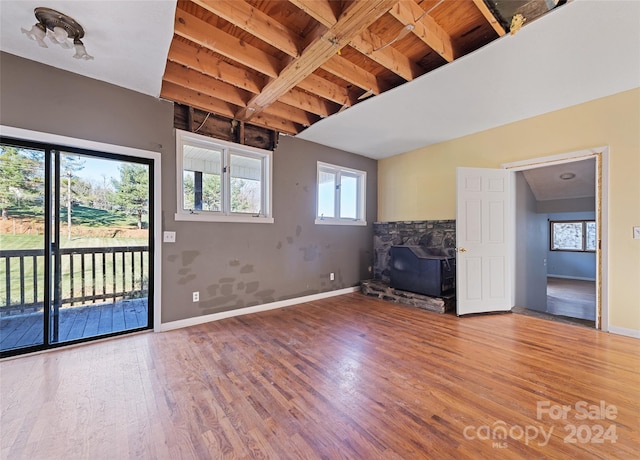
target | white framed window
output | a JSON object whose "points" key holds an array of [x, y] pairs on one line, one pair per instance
{"points": [[340, 195], [573, 235], [219, 181]]}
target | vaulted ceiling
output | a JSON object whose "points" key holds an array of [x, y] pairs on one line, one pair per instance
{"points": [[286, 64]]}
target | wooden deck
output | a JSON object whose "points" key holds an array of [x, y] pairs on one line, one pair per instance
{"points": [[75, 323], [349, 377]]}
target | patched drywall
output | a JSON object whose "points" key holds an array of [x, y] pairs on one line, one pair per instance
{"points": [[236, 265]]}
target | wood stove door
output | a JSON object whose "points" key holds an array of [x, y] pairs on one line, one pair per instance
{"points": [[483, 240]]}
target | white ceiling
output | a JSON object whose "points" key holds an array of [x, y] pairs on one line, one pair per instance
{"points": [[546, 183], [129, 40], [585, 50]]}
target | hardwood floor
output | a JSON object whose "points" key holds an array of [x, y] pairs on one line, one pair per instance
{"points": [[346, 377], [571, 298]]}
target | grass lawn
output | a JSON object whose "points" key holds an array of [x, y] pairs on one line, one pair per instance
{"points": [[129, 275], [37, 242], [80, 215]]}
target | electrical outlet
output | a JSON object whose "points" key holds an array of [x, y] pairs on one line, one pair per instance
{"points": [[196, 296], [332, 276], [169, 237], [636, 233]]}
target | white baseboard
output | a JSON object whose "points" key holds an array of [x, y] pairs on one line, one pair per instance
{"points": [[255, 309], [570, 277], [635, 333]]}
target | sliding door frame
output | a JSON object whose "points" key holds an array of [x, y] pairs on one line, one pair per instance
{"points": [[53, 145]]}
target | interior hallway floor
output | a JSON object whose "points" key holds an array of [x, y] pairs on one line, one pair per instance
{"points": [[569, 301]]}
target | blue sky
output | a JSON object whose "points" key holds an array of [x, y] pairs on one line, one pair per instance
{"points": [[96, 168]]}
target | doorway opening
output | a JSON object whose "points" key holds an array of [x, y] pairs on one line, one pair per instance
{"points": [[561, 237]]}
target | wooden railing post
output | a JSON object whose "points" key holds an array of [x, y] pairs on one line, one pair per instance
{"points": [[73, 294]]}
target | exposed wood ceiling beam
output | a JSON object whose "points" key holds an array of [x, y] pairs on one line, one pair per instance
{"points": [[174, 92], [192, 79], [309, 102], [425, 28], [198, 59], [375, 48], [354, 20], [486, 12], [254, 21], [204, 34], [327, 89], [276, 123], [288, 112], [200, 101], [355, 75], [320, 10]]}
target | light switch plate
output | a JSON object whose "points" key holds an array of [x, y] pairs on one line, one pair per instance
{"points": [[636, 233], [169, 237]]}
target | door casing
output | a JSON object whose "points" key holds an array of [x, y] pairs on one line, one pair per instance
{"points": [[601, 155]]}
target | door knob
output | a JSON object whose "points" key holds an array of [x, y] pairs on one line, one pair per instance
{"points": [[462, 250]]}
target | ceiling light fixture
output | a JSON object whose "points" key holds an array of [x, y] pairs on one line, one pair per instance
{"points": [[59, 28], [567, 176]]}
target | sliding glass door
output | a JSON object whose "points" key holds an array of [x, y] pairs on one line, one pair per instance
{"points": [[76, 246]]}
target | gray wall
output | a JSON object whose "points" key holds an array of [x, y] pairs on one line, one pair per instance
{"points": [[43, 98], [236, 265], [565, 264], [232, 265], [531, 249]]}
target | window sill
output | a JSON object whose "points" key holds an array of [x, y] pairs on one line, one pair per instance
{"points": [[358, 223], [205, 217]]}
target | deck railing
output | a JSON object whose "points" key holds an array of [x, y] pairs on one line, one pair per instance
{"points": [[87, 275]]}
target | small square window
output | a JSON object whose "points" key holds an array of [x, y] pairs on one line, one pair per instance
{"points": [[341, 195]]}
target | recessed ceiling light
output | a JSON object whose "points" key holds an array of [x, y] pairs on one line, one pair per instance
{"points": [[567, 176]]}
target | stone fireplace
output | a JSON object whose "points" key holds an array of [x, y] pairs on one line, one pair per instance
{"points": [[438, 236], [428, 234]]}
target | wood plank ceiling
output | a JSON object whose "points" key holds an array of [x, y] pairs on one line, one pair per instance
{"points": [[285, 64]]}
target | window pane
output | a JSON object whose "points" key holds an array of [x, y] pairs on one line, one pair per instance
{"points": [[326, 194], [567, 236], [349, 197], [187, 189], [22, 200], [211, 192], [202, 170], [246, 184], [591, 236]]}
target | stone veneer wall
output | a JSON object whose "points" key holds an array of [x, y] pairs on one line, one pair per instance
{"points": [[430, 234]]}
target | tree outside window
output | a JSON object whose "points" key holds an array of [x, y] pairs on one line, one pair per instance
{"points": [[577, 235]]}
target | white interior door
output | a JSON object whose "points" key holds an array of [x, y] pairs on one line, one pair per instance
{"points": [[483, 240]]}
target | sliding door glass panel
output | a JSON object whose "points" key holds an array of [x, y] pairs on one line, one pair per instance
{"points": [[101, 266], [22, 247]]}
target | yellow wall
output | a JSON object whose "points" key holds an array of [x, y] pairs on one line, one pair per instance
{"points": [[420, 185]]}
